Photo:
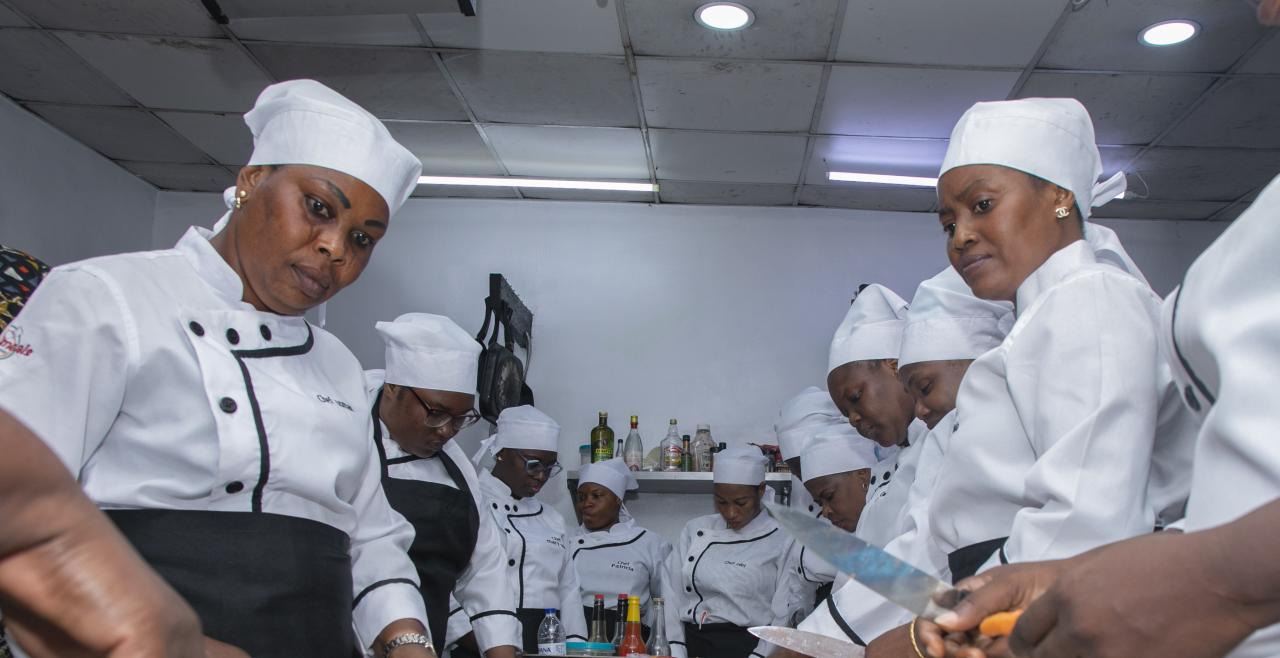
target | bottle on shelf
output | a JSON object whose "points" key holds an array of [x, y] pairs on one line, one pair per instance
{"points": [[669, 452], [702, 445], [551, 640], [620, 615], [632, 642], [686, 456], [633, 449], [598, 635], [602, 440], [658, 647], [719, 448]]}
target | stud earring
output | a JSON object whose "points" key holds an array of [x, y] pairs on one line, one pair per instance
{"points": [[241, 196], [1061, 213]]}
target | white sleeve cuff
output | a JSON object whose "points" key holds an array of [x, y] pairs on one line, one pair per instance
{"points": [[383, 603], [496, 628]]}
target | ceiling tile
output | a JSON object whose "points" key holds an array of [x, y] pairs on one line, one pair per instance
{"points": [[1179, 174], [728, 95], [1148, 209], [10, 19], [1239, 113], [464, 192], [553, 26], [158, 17], [871, 197], [904, 102], [170, 73], [381, 30], [1115, 158], [1126, 109], [1104, 36], [446, 149], [727, 157], [182, 177], [1267, 59], [897, 31], [120, 133], [556, 152], [726, 194], [783, 29], [552, 89], [392, 83], [875, 155], [587, 195], [225, 137], [293, 8], [35, 66]]}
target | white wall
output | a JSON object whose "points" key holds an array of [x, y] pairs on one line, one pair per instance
{"points": [[61, 201], [706, 314]]}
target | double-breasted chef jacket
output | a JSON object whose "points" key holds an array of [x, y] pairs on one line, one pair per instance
{"points": [[435, 492], [891, 479], [625, 559], [231, 446]]}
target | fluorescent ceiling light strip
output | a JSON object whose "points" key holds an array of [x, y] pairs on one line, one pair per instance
{"points": [[886, 179], [513, 181]]}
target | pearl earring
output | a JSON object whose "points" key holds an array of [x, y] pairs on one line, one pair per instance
{"points": [[1061, 213], [241, 196]]}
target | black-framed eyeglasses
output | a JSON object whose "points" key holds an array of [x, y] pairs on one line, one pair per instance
{"points": [[438, 418], [540, 467]]}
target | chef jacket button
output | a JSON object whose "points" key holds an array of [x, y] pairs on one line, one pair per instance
{"points": [[233, 337], [515, 508], [508, 531], [690, 611], [873, 479], [688, 589], [511, 563], [1192, 400], [196, 328], [582, 541], [886, 475], [506, 507], [955, 428], [227, 405], [235, 487], [495, 506], [265, 331], [691, 558], [811, 508], [699, 533]]}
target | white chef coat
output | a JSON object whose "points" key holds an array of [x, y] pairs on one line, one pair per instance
{"points": [[1058, 421], [488, 598], [538, 558], [625, 559], [1223, 345], [744, 577], [891, 479], [814, 571], [145, 373]]}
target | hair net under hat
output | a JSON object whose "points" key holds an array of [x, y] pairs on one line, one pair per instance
{"points": [[871, 329], [1050, 138], [802, 417], [946, 321], [521, 428], [837, 450], [430, 351]]}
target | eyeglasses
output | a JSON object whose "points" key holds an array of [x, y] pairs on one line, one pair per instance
{"points": [[540, 467], [438, 418]]}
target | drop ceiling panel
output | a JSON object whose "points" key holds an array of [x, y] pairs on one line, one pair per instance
{"points": [[727, 157], [872, 197], [459, 191], [932, 32], [1151, 209], [225, 137], [1266, 59], [905, 102], [725, 194], [380, 30], [10, 19], [158, 17], [552, 89], [182, 177], [392, 83], [1104, 36], [36, 66], [171, 73], [270, 8], [875, 155], [554, 26], [120, 133], [585, 195], [783, 29], [446, 149], [1126, 109], [557, 152], [1239, 113], [1205, 174], [728, 95]]}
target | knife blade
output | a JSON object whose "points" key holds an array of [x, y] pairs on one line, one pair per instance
{"points": [[809, 644]]}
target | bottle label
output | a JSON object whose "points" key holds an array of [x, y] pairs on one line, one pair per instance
{"points": [[672, 456], [552, 649]]}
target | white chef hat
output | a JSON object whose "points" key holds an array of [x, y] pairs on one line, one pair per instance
{"points": [[802, 417], [739, 465], [521, 428], [871, 329], [837, 449], [430, 351], [1050, 138], [946, 321], [612, 474]]}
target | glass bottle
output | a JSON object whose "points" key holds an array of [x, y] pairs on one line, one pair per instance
{"points": [[686, 456], [602, 440], [633, 450], [669, 452], [620, 615], [658, 645], [598, 635], [702, 445], [632, 642]]}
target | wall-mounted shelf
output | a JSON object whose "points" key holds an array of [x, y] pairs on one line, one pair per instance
{"points": [[689, 483]]}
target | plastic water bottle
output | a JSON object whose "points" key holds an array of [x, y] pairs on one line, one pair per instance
{"points": [[551, 635]]}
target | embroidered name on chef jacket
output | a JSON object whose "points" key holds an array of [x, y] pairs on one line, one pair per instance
{"points": [[557, 541], [622, 564], [731, 563], [328, 400]]}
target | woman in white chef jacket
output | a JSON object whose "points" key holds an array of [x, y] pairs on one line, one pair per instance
{"points": [[425, 397], [525, 453], [226, 437], [733, 569], [611, 552]]}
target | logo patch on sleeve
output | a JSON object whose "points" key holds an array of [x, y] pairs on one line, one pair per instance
{"points": [[11, 343]]}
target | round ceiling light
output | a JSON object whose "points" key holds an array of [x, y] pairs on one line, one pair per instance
{"points": [[723, 16], [1168, 33]]}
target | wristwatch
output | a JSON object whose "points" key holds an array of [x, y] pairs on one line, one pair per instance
{"points": [[403, 639]]}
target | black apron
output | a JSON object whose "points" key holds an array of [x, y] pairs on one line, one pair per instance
{"points": [[718, 641], [445, 524], [965, 562], [276, 586]]}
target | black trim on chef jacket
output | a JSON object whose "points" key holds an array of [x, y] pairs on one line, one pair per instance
{"points": [[965, 562], [381, 583], [839, 619], [693, 575], [524, 548], [1186, 366], [614, 545]]}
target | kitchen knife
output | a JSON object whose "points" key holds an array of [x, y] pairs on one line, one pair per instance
{"points": [[809, 644]]}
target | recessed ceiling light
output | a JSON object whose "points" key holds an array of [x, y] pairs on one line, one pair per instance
{"points": [[724, 16], [1168, 33], [515, 181], [884, 179]]}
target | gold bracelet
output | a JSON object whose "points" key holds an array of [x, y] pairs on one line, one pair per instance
{"points": [[912, 631]]}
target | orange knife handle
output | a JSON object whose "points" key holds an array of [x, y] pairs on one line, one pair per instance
{"points": [[999, 624]]}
